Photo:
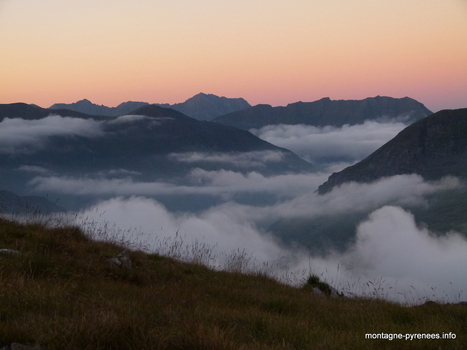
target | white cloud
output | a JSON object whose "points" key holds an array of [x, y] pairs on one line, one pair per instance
{"points": [[392, 257], [199, 181], [126, 119], [352, 142], [254, 159], [356, 197], [391, 247], [147, 223], [20, 135], [101, 186], [25, 136], [34, 169]]}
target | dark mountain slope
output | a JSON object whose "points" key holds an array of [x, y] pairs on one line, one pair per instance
{"points": [[152, 144], [179, 133], [164, 131], [433, 147], [328, 112]]}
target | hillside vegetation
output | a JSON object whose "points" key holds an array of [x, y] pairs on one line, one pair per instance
{"points": [[60, 291]]}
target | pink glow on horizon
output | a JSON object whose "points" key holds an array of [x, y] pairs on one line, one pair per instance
{"points": [[274, 53]]}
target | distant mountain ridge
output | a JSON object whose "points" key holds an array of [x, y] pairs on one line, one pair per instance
{"points": [[201, 106], [328, 112], [433, 147], [87, 107], [31, 112]]}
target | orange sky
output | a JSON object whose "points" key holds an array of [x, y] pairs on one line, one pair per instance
{"points": [[267, 51]]}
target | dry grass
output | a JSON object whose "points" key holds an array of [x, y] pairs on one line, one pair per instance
{"points": [[62, 293]]}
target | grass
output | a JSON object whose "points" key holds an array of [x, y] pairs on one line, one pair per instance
{"points": [[61, 292]]}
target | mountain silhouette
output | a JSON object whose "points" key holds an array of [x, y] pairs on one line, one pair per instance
{"points": [[201, 106], [328, 112], [87, 107], [31, 112], [208, 106]]}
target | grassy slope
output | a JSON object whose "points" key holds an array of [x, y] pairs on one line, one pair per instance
{"points": [[62, 293]]}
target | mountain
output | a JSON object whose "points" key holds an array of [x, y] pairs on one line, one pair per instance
{"points": [[201, 106], [153, 144], [207, 106], [328, 112], [13, 204], [32, 112], [433, 147], [87, 107]]}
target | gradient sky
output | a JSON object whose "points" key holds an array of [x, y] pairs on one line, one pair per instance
{"points": [[267, 51]]}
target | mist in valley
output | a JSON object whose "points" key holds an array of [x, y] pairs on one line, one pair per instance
{"points": [[231, 209]]}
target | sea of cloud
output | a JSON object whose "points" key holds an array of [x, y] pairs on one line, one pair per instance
{"points": [[392, 257]]}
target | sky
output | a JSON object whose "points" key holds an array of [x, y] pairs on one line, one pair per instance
{"points": [[274, 52]]}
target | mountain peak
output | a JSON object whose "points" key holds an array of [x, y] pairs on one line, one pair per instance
{"points": [[202, 94], [85, 102], [209, 106]]}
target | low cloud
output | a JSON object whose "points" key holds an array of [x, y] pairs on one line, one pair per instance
{"points": [[198, 181], [356, 197], [127, 119], [392, 257], [147, 223], [415, 263], [255, 159], [26, 136], [20, 135], [350, 142], [34, 169], [295, 194]]}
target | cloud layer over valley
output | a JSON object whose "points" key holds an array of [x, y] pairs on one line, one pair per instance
{"points": [[240, 205], [330, 144]]}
